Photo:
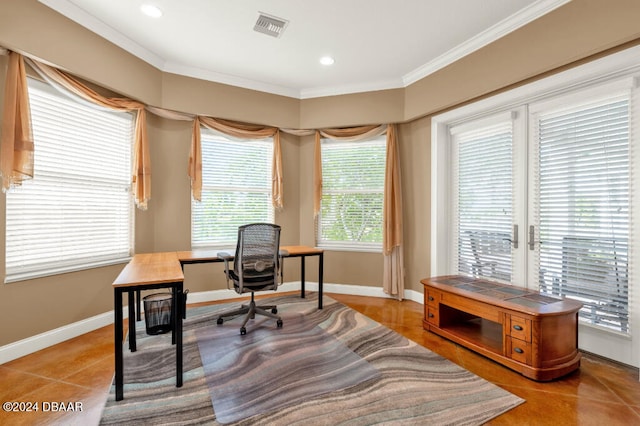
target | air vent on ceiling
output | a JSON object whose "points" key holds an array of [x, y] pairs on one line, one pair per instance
{"points": [[270, 25]]}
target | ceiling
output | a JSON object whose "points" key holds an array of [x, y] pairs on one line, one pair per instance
{"points": [[376, 44]]}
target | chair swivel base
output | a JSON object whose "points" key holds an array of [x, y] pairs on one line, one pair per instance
{"points": [[251, 310]]}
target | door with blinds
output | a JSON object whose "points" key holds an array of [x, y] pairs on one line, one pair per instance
{"points": [[542, 197], [486, 225], [579, 206]]}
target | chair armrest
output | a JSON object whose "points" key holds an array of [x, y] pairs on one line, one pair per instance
{"points": [[225, 255], [281, 255]]}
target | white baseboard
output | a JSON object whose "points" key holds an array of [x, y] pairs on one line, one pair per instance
{"points": [[44, 340], [41, 341]]}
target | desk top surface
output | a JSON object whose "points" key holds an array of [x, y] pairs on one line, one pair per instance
{"points": [[509, 296], [212, 255], [150, 268], [164, 267]]}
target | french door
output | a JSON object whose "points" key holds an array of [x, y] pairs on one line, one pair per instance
{"points": [[541, 197], [579, 223]]}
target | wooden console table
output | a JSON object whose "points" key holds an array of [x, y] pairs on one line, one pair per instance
{"points": [[531, 333]]}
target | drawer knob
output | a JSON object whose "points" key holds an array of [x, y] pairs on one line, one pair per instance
{"points": [[431, 298], [518, 350], [430, 315], [517, 327]]}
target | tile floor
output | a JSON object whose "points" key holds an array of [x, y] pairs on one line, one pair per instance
{"points": [[80, 370]]}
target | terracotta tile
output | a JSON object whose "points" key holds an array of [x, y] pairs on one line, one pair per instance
{"points": [[50, 399], [16, 384], [95, 375], [622, 380], [81, 370], [66, 358], [545, 408]]}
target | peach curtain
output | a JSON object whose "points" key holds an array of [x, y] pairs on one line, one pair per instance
{"points": [[16, 143], [141, 173], [238, 130], [393, 267]]}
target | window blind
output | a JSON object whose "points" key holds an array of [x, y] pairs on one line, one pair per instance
{"points": [[76, 213], [352, 194], [583, 192], [236, 189], [484, 200]]}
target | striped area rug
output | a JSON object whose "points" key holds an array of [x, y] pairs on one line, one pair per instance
{"points": [[324, 367]]}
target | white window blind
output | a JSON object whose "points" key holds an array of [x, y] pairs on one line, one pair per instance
{"points": [[236, 189], [352, 194], [583, 212], [484, 200], [77, 212]]}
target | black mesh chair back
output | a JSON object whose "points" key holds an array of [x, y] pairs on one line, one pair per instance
{"points": [[256, 263], [256, 267]]}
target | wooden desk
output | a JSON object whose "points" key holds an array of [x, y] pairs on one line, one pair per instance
{"points": [[529, 332], [149, 271], [145, 272]]}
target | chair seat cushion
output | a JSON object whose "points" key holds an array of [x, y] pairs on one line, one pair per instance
{"points": [[255, 282]]}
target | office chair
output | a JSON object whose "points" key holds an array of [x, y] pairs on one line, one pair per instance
{"points": [[256, 267]]}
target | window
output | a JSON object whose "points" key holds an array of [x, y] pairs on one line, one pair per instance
{"points": [[352, 194], [77, 211], [575, 182], [485, 197], [236, 189]]}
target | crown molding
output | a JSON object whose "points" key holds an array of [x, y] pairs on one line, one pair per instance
{"points": [[501, 29], [79, 16], [319, 92], [506, 26], [230, 80]]}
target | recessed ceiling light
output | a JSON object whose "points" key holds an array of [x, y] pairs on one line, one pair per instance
{"points": [[151, 10], [327, 60]]}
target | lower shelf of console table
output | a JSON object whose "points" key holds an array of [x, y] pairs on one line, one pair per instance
{"points": [[533, 334]]}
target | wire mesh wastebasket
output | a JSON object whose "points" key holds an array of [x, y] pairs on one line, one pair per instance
{"points": [[157, 313]]}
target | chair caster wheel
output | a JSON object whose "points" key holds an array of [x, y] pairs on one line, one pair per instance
{"points": [[243, 331], [279, 323], [220, 321], [274, 310]]}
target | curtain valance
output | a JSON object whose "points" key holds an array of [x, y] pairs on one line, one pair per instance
{"points": [[17, 151], [141, 173], [238, 130]]}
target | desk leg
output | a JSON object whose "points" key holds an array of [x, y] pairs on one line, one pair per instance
{"points": [[178, 333], [320, 271], [302, 291], [138, 306], [117, 306], [132, 322], [174, 314]]}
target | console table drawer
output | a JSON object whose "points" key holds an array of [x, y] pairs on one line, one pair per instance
{"points": [[519, 328], [432, 298], [519, 350], [433, 316]]}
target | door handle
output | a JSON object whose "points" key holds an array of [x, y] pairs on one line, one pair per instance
{"points": [[532, 238], [514, 239]]}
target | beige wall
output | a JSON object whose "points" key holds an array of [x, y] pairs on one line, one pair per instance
{"points": [[571, 33]]}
